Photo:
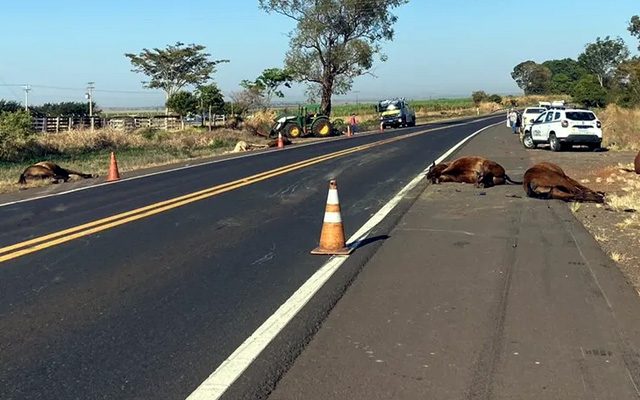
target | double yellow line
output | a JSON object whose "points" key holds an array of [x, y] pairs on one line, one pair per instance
{"points": [[53, 239]]}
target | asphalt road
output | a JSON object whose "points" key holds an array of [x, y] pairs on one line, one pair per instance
{"points": [[479, 294], [150, 307]]}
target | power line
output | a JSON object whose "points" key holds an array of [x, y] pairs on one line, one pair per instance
{"points": [[81, 89]]}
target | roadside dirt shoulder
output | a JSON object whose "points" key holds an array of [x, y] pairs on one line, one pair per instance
{"points": [[615, 225]]}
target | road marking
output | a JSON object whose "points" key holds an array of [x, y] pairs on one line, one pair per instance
{"points": [[226, 374], [56, 238]]}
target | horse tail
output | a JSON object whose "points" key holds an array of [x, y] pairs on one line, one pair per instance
{"points": [[506, 177]]}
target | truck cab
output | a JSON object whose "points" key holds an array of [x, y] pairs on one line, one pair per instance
{"points": [[396, 113]]}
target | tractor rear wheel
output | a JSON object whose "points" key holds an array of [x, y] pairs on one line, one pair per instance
{"points": [[321, 127], [292, 130]]}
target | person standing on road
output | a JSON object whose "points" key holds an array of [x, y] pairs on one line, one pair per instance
{"points": [[513, 121], [353, 122]]}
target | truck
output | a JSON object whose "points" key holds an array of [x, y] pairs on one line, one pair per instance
{"points": [[395, 113]]}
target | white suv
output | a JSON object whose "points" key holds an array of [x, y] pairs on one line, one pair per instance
{"points": [[529, 115], [564, 128]]}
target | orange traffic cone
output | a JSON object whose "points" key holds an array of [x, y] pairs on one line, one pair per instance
{"points": [[114, 175], [332, 240], [381, 127], [349, 132], [280, 141]]}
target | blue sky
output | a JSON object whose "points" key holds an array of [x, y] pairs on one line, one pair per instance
{"points": [[442, 48]]}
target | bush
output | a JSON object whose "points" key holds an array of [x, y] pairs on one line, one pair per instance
{"points": [[494, 98], [16, 132], [479, 96], [589, 93]]}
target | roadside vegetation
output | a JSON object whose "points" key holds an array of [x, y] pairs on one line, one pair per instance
{"points": [[604, 77], [88, 151]]}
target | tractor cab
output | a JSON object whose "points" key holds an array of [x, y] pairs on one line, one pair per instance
{"points": [[308, 121]]}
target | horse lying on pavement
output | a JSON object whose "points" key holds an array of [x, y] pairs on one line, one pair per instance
{"points": [[475, 170], [546, 180], [49, 170]]}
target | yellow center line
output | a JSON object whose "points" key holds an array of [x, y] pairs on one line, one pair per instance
{"points": [[66, 235]]}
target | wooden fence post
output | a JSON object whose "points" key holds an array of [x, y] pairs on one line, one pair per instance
{"points": [[57, 124]]}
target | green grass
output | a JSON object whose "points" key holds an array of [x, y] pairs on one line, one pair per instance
{"points": [[343, 110]]}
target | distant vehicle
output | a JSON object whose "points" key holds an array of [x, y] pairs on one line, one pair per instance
{"points": [[565, 128], [559, 104], [396, 113], [528, 116]]}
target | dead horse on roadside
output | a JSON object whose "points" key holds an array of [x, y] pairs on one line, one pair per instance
{"points": [[546, 180], [475, 170], [49, 170]]}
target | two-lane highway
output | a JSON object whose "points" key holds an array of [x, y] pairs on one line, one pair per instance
{"points": [[141, 289]]}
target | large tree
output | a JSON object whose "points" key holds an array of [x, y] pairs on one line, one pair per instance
{"points": [[334, 41], [532, 77], [567, 66], [602, 57], [626, 86], [174, 67], [269, 82]]}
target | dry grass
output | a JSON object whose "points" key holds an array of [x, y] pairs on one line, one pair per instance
{"points": [[618, 257], [523, 101], [88, 151], [621, 128], [261, 122]]}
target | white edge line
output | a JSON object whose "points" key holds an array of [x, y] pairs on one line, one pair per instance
{"points": [[166, 171], [226, 374]]}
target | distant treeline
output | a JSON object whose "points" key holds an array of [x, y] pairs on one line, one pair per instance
{"points": [[66, 109], [603, 73]]}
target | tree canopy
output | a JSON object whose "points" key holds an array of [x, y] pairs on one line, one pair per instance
{"points": [[531, 77], [182, 103], [602, 57], [334, 41], [269, 82], [210, 96], [174, 67], [634, 27]]}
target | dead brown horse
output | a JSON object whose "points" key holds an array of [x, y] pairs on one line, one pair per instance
{"points": [[636, 163], [546, 180], [49, 170], [475, 170]]}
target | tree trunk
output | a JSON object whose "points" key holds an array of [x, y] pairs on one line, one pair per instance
{"points": [[327, 92]]}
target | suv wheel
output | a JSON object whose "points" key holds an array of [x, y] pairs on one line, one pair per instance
{"points": [[554, 143], [527, 141], [593, 146]]}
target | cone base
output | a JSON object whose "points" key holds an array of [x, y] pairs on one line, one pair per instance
{"points": [[345, 251]]}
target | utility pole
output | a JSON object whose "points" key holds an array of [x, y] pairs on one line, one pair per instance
{"points": [[27, 89], [89, 96]]}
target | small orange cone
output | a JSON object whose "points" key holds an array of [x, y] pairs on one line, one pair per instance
{"points": [[381, 127], [114, 174], [280, 141], [332, 240], [349, 133]]}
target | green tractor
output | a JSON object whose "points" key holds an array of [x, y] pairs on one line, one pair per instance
{"points": [[307, 122]]}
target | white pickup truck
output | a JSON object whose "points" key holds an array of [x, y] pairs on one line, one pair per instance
{"points": [[564, 128]]}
